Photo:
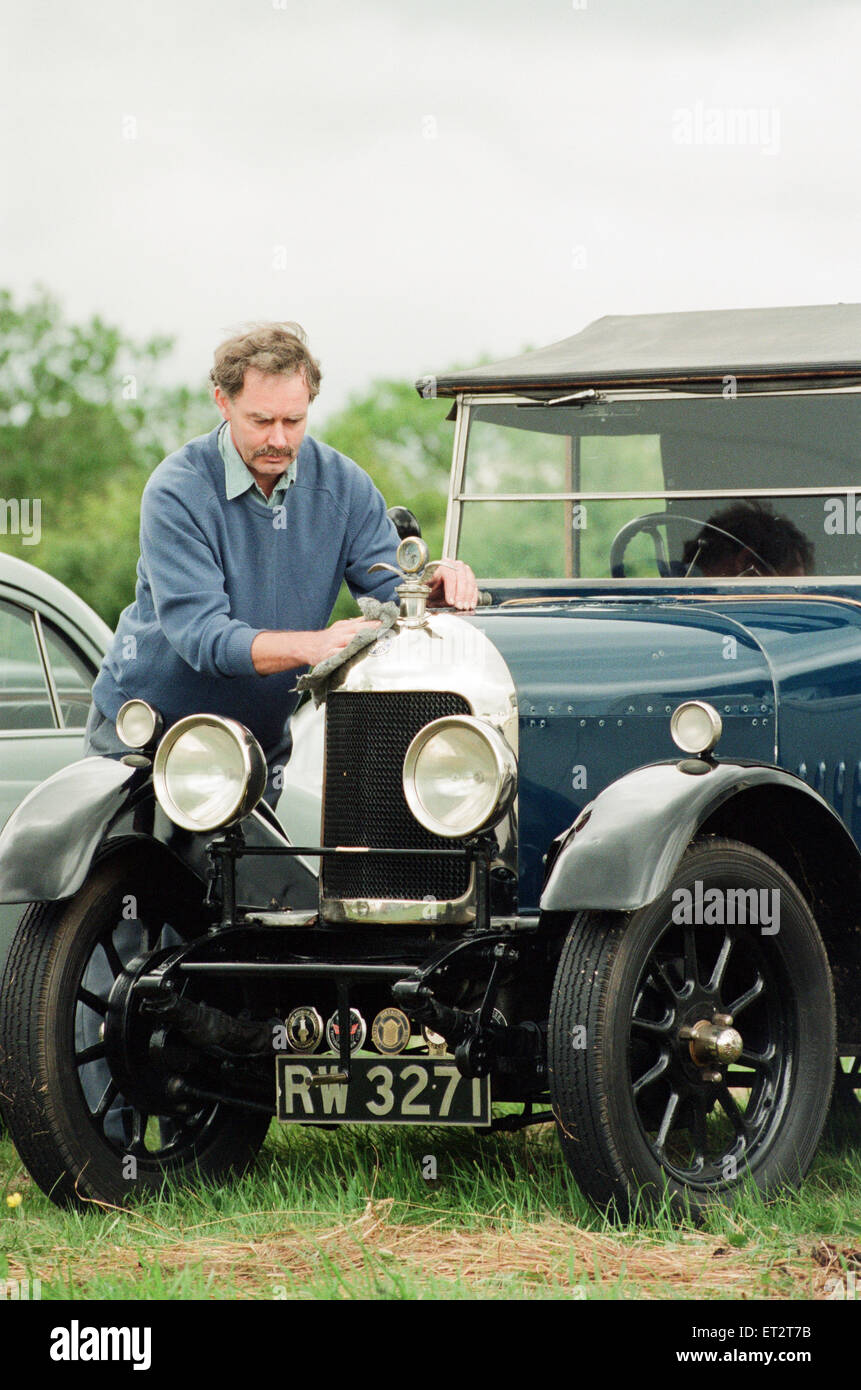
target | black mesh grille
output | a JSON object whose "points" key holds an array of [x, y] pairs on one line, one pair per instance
{"points": [[367, 736]]}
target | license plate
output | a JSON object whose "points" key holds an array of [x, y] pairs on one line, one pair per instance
{"points": [[391, 1091]]}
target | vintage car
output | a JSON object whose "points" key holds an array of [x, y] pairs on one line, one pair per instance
{"points": [[589, 855]]}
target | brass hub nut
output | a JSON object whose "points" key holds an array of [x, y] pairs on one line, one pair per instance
{"points": [[713, 1042]]}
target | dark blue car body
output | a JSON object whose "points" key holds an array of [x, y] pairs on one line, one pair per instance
{"points": [[597, 681]]}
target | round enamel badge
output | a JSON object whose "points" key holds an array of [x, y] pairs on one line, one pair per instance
{"points": [[390, 1031], [304, 1029], [358, 1031]]}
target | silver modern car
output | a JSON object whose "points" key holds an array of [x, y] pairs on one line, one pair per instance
{"points": [[51, 645]]}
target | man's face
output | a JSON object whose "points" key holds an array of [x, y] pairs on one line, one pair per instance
{"points": [[267, 421]]}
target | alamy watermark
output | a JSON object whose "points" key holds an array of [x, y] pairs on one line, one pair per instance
{"points": [[842, 1288], [754, 127], [77, 1343], [842, 515], [727, 907], [20, 1290], [21, 516]]}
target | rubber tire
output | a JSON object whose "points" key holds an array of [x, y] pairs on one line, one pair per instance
{"points": [[41, 1096], [599, 968]]}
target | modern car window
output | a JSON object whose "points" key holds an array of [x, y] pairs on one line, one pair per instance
{"points": [[24, 700], [73, 677]]}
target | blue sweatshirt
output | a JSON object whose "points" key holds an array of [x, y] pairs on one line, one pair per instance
{"points": [[213, 573]]}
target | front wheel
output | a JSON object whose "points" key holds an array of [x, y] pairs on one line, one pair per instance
{"points": [[692, 1042], [80, 1137]]}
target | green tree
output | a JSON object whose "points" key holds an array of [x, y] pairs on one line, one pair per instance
{"points": [[86, 413], [84, 418], [404, 443]]}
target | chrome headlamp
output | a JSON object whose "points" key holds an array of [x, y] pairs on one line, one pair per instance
{"points": [[695, 727], [460, 775], [138, 724], [208, 772]]}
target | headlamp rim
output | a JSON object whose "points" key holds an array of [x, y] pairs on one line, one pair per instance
{"points": [[157, 722], [714, 720], [506, 774], [255, 771]]}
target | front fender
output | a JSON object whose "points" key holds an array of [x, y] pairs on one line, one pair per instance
{"points": [[48, 843], [632, 836], [49, 840]]}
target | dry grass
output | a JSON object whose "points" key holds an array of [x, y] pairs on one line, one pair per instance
{"points": [[555, 1255]]}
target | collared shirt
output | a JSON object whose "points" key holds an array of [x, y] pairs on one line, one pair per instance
{"points": [[238, 477]]}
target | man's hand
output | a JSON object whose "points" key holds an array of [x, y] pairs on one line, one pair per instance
{"points": [[282, 651], [453, 586]]}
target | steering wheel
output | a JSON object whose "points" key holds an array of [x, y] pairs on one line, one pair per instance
{"points": [[650, 523]]}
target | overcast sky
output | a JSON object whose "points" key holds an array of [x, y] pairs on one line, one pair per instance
{"points": [[419, 184]]}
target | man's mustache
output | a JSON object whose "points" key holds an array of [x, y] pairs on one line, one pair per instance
{"points": [[273, 453]]}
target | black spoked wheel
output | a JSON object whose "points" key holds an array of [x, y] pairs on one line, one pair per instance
{"points": [[692, 1043], [84, 1131]]}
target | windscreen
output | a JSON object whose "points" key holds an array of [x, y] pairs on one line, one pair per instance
{"points": [[739, 486]]}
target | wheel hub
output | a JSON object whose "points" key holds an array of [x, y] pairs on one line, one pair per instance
{"points": [[713, 1040], [129, 1035]]}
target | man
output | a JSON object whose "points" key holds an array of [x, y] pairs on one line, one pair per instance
{"points": [[246, 534], [748, 539]]}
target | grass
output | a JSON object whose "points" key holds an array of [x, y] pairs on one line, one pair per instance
{"points": [[349, 1214]]}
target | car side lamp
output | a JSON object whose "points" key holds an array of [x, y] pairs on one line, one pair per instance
{"points": [[695, 727]]}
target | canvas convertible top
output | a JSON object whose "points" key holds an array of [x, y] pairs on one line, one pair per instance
{"points": [[819, 341]]}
